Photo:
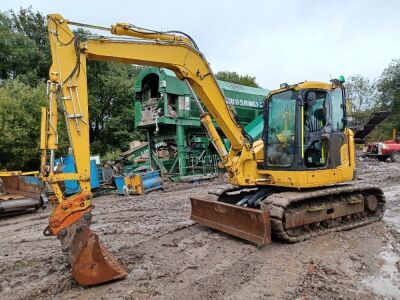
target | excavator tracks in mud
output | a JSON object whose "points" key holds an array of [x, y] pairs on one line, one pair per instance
{"points": [[293, 216], [298, 216]]}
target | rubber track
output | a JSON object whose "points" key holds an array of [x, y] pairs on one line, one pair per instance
{"points": [[279, 203]]}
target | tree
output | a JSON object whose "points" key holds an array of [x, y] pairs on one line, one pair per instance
{"points": [[24, 50], [389, 87], [19, 125], [34, 26], [361, 92], [24, 64], [389, 98], [16, 51], [111, 105], [236, 78]]}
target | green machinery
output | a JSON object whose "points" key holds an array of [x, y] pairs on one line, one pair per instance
{"points": [[177, 145]]}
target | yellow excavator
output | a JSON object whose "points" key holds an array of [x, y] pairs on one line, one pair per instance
{"points": [[289, 184]]}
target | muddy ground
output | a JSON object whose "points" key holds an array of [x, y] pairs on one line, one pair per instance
{"points": [[170, 257]]}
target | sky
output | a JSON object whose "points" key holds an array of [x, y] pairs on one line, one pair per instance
{"points": [[275, 41]]}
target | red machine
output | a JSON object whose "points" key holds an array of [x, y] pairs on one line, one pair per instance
{"points": [[384, 150]]}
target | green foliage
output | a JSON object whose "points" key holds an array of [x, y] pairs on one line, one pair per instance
{"points": [[389, 87], [236, 78], [111, 98], [24, 64], [382, 95], [24, 50], [33, 25], [389, 99], [19, 125], [110, 156], [361, 92]]}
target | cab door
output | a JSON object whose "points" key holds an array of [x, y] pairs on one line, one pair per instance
{"points": [[338, 138], [325, 142]]}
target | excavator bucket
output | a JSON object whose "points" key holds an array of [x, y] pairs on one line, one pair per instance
{"points": [[91, 262], [247, 223]]}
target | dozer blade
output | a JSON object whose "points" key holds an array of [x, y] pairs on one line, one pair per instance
{"points": [[91, 262], [247, 223]]}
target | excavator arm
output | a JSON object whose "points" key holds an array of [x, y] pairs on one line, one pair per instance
{"points": [[67, 91]]}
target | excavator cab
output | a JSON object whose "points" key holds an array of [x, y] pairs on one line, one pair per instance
{"points": [[304, 128], [305, 145]]}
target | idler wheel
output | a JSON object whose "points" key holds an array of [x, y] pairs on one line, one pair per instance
{"points": [[371, 203]]}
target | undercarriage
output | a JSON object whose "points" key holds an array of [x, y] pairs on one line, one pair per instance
{"points": [[255, 214]]}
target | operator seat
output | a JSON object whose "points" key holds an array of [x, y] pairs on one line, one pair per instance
{"points": [[314, 122]]}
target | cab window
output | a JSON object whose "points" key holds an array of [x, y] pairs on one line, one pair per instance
{"points": [[337, 109], [281, 129], [316, 147]]}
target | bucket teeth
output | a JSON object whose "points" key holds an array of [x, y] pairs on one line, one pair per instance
{"points": [[91, 262]]}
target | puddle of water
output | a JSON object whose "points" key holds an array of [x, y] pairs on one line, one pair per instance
{"points": [[392, 218], [392, 215], [387, 283]]}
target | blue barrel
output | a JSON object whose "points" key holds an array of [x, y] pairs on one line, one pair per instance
{"points": [[68, 166], [120, 182], [94, 175], [152, 181], [72, 186]]}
